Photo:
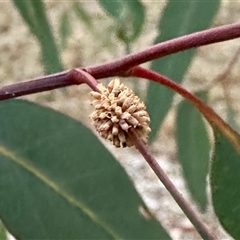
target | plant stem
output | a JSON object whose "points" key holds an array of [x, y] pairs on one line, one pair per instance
{"points": [[212, 117], [200, 227], [162, 49], [120, 66], [223, 79], [36, 85], [50, 82]]}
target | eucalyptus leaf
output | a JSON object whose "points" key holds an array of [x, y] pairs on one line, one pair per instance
{"points": [[64, 29], [33, 13], [193, 150], [82, 14], [129, 17], [113, 8], [3, 232], [225, 179], [57, 181], [179, 18], [231, 118]]}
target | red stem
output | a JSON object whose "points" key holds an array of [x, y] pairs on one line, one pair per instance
{"points": [[118, 67], [213, 118], [191, 215], [79, 76], [175, 45]]}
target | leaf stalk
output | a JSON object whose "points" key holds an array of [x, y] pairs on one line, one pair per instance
{"points": [[192, 216]]}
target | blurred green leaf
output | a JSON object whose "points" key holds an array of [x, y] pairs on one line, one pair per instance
{"points": [[179, 18], [57, 181], [25, 9], [231, 118], [193, 151], [82, 14], [3, 233], [129, 16], [224, 180], [65, 29], [113, 8], [34, 15]]}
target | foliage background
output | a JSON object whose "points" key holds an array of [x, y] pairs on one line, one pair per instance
{"points": [[20, 60]]}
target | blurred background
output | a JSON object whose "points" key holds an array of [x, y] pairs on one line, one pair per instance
{"points": [[64, 35]]}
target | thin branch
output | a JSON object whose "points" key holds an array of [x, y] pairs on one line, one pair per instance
{"points": [[175, 45], [119, 67], [212, 117], [222, 77], [36, 85], [229, 68], [192, 216], [79, 76], [50, 82]]}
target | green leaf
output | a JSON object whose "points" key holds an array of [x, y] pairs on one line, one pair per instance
{"points": [[25, 9], [231, 115], [65, 29], [3, 233], [57, 181], [34, 15], [179, 18], [224, 180], [193, 151], [113, 8], [129, 16], [82, 14]]}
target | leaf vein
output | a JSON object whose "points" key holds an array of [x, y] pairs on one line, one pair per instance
{"points": [[72, 200]]}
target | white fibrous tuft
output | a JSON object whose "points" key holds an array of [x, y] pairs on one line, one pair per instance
{"points": [[118, 111]]}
